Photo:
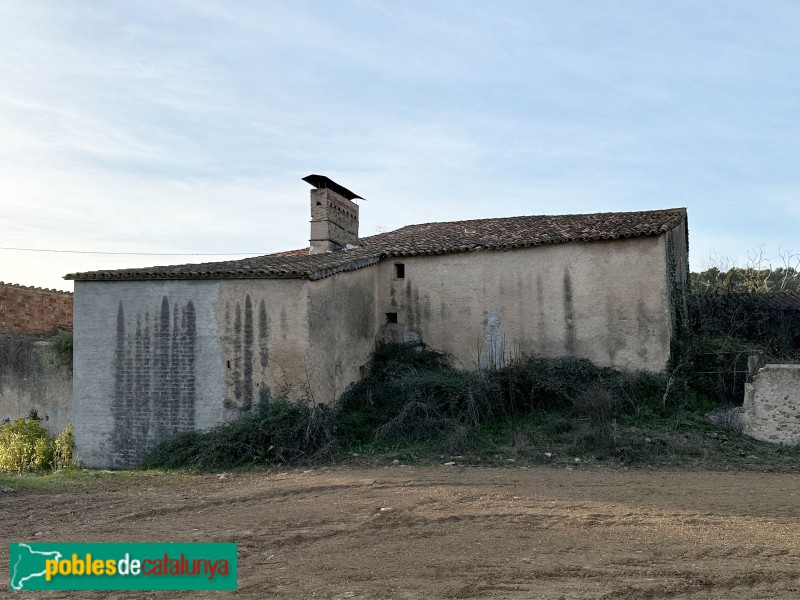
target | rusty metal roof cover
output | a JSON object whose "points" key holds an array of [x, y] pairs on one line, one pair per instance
{"points": [[414, 240], [323, 183]]}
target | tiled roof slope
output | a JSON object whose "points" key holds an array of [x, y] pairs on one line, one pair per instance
{"points": [[428, 238]]}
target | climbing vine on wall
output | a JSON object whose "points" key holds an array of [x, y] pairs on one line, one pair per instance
{"points": [[677, 306]]}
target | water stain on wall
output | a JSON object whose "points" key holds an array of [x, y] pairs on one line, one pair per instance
{"points": [[569, 314], [247, 355], [284, 323], [617, 337], [642, 330], [540, 309], [263, 348], [245, 342], [341, 328], [154, 377]]}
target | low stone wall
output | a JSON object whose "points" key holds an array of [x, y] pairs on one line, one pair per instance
{"points": [[771, 410], [32, 378]]}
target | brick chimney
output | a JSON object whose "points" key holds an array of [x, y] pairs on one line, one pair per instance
{"points": [[334, 215]]}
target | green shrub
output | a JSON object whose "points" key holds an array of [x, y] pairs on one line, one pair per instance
{"points": [[430, 404], [62, 449], [715, 367], [411, 393], [727, 326], [412, 397], [381, 396], [538, 382], [24, 447], [279, 432], [61, 345]]}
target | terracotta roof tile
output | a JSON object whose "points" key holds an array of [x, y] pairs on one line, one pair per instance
{"points": [[427, 238]]}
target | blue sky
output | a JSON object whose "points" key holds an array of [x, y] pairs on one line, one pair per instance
{"points": [[185, 127]]}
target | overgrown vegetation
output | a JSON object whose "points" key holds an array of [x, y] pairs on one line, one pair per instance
{"points": [[61, 345], [534, 407], [26, 447], [413, 395], [278, 432], [62, 449], [737, 313], [725, 329], [413, 405]]}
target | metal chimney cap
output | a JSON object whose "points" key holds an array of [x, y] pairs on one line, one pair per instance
{"points": [[322, 182]]}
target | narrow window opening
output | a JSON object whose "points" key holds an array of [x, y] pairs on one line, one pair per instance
{"points": [[399, 271], [229, 364], [391, 318]]}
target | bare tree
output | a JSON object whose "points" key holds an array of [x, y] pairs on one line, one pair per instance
{"points": [[791, 265], [722, 274]]}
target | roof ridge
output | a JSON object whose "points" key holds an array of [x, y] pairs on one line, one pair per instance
{"points": [[595, 214], [32, 288]]}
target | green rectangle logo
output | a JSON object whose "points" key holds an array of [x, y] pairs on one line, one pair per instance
{"points": [[100, 566]]}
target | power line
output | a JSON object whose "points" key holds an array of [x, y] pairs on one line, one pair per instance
{"points": [[134, 253]]}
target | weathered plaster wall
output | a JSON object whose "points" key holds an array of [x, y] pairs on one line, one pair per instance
{"points": [[32, 378], [604, 300], [264, 340], [155, 358], [771, 410], [342, 324], [147, 363], [309, 338]]}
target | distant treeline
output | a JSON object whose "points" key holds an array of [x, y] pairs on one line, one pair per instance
{"points": [[745, 280]]}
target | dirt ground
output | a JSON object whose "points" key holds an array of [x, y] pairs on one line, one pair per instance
{"points": [[449, 532]]}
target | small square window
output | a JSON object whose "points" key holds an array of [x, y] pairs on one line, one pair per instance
{"points": [[399, 271], [391, 318]]}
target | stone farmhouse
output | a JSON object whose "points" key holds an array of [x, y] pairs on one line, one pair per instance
{"points": [[166, 349]]}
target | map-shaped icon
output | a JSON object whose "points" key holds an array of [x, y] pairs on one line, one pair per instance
{"points": [[27, 564]]}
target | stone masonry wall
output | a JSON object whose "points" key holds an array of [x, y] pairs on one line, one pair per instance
{"points": [[33, 310], [771, 410]]}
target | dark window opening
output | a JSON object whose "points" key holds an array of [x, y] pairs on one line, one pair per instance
{"points": [[229, 364], [399, 271], [391, 318], [319, 203]]}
